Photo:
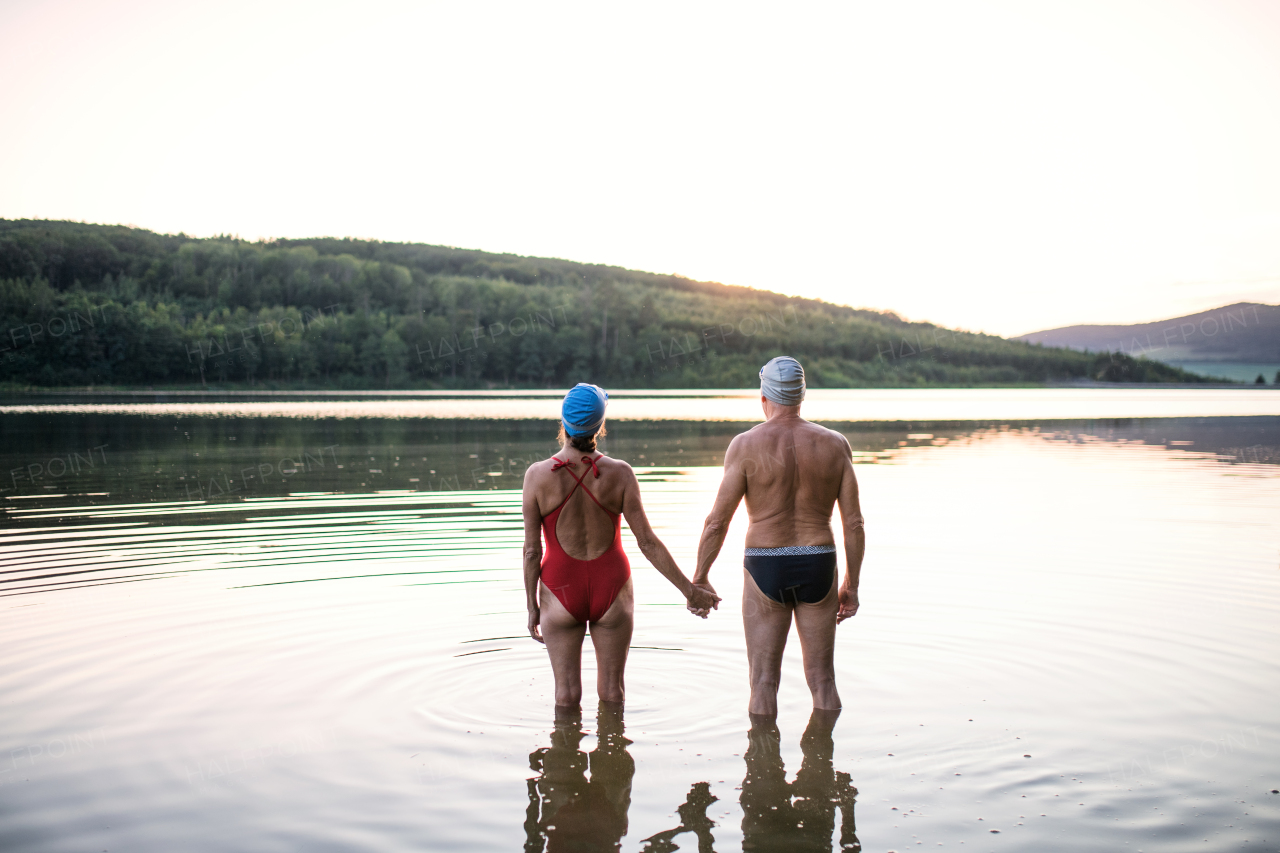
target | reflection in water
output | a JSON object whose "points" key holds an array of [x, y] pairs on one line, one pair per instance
{"points": [[693, 818], [569, 811], [799, 815]]}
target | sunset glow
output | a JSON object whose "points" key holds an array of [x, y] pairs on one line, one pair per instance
{"points": [[992, 166]]}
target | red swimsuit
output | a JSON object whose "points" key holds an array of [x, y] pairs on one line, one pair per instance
{"points": [[586, 588]]}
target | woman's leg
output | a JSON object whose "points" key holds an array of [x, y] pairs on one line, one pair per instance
{"points": [[611, 637], [563, 635]]}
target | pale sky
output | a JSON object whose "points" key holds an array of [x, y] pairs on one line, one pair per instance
{"points": [[1002, 167]]}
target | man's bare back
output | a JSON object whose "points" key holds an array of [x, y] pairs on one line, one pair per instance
{"points": [[793, 474]]}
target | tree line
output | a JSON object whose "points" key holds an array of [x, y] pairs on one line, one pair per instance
{"points": [[85, 304]]}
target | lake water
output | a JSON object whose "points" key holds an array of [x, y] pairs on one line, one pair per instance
{"points": [[297, 623]]}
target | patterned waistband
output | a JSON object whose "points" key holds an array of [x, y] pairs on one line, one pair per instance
{"points": [[790, 551]]}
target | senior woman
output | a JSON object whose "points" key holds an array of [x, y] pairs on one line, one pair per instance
{"points": [[576, 499]]}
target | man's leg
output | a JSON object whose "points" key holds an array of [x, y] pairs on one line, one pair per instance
{"points": [[766, 623], [816, 625]]}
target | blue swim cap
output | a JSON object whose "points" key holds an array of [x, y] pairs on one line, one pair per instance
{"points": [[583, 410]]}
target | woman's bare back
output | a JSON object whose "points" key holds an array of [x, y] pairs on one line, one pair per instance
{"points": [[584, 528]]}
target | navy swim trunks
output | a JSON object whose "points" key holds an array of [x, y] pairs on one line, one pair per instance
{"points": [[795, 574]]}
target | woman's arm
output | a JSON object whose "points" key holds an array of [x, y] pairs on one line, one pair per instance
{"points": [[656, 552], [532, 553]]}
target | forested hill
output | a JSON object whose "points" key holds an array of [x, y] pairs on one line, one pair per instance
{"points": [[110, 305]]}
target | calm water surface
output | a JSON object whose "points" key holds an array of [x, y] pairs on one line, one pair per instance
{"points": [[263, 629]]}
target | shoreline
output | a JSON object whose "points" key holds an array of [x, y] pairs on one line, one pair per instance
{"points": [[436, 393]]}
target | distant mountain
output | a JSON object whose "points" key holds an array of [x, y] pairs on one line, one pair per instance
{"points": [[1243, 332]]}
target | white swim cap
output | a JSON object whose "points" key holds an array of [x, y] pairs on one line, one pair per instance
{"points": [[782, 381]]}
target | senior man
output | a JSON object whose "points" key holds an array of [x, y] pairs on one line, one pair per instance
{"points": [[792, 473]]}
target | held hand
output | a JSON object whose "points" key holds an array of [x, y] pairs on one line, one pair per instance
{"points": [[848, 602], [702, 600], [534, 630]]}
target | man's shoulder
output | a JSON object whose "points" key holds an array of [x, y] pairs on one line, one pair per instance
{"points": [[827, 438], [750, 437], [832, 434]]}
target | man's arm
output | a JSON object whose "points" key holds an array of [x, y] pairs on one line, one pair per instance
{"points": [[732, 489], [532, 554], [855, 538]]}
